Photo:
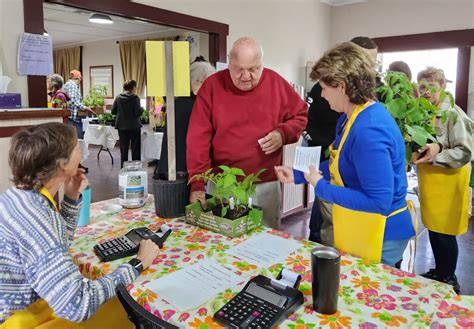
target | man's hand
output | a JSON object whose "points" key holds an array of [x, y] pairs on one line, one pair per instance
{"points": [[284, 174], [426, 153], [271, 142], [198, 196], [314, 176], [73, 186], [90, 111]]}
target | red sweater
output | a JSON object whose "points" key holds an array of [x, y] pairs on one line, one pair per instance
{"points": [[226, 124]]}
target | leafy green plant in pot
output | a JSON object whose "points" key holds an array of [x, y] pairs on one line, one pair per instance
{"points": [[412, 113], [106, 118], [95, 98], [233, 197]]}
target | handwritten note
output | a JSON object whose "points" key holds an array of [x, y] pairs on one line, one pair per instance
{"points": [[35, 54], [307, 156]]}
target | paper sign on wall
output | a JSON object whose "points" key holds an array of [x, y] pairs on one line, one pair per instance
{"points": [[35, 54], [156, 68]]}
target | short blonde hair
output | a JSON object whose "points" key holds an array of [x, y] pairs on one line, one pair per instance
{"points": [[350, 63], [434, 73]]}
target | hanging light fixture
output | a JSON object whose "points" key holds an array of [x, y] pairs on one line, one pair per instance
{"points": [[100, 19]]}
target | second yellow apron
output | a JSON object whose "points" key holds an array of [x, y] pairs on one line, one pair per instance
{"points": [[356, 232], [444, 198]]}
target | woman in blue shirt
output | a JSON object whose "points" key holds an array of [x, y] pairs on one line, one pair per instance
{"points": [[367, 183]]}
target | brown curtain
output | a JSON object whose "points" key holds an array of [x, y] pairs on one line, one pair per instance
{"points": [[66, 60], [132, 57]]}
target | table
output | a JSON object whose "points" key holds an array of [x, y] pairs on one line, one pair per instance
{"points": [[370, 296], [105, 136]]}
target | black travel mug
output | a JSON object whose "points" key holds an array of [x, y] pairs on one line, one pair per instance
{"points": [[325, 267]]}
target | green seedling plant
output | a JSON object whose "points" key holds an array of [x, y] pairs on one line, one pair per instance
{"points": [[233, 187], [413, 113]]}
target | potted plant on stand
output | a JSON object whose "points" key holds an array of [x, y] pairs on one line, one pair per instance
{"points": [[230, 210], [95, 99]]}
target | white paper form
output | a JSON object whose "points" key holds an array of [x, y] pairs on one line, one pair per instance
{"points": [[192, 286], [307, 156], [264, 249]]}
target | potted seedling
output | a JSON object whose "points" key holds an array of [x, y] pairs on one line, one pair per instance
{"points": [[229, 210], [107, 119], [412, 113], [95, 98]]}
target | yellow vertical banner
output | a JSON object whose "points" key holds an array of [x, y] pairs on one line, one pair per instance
{"points": [[156, 69]]}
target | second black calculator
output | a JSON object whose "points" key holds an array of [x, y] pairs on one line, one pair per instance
{"points": [[127, 245]]}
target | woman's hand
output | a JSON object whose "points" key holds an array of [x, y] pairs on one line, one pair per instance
{"points": [[272, 142], [73, 186], [314, 176], [284, 174], [147, 252], [426, 153]]}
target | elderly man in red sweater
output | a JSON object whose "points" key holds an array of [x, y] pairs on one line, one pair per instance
{"points": [[242, 117]]}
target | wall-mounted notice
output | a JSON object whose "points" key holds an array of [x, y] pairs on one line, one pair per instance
{"points": [[35, 54]]}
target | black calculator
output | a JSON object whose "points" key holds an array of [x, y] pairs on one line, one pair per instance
{"points": [[261, 304], [127, 245]]}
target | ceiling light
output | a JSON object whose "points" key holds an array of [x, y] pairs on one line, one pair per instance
{"points": [[100, 19], [45, 33]]}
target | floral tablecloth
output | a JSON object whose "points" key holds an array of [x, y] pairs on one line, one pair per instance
{"points": [[370, 295]]}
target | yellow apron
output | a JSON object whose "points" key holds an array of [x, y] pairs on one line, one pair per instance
{"points": [[40, 316], [356, 232], [444, 198]]}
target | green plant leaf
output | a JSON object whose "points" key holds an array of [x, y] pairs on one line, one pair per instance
{"points": [[225, 169]]}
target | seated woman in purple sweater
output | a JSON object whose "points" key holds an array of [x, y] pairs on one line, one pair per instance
{"points": [[367, 164]]}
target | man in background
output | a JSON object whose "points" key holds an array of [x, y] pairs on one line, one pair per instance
{"points": [[242, 117], [77, 108]]}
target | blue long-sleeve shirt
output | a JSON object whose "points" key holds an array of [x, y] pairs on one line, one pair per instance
{"points": [[372, 166]]}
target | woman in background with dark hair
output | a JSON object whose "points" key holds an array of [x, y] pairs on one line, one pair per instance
{"points": [[128, 110]]}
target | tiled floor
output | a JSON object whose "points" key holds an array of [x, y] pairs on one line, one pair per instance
{"points": [[103, 178]]}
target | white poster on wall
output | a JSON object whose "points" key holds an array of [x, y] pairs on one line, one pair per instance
{"points": [[35, 54]]}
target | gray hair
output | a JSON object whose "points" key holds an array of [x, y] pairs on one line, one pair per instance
{"points": [[247, 42], [200, 71], [57, 81]]}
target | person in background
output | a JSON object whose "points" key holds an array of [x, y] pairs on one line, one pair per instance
{"points": [[35, 233], [400, 66], [128, 110], [443, 177], [78, 110], [320, 131], [368, 185], [200, 70], [242, 117], [59, 99]]}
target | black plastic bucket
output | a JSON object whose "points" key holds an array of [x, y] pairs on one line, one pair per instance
{"points": [[171, 197]]}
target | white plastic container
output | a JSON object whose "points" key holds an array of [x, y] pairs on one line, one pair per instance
{"points": [[133, 185]]}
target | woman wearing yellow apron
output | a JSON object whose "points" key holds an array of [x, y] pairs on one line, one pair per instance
{"points": [[367, 166], [443, 173], [40, 286]]}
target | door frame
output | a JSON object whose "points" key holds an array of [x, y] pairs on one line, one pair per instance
{"points": [[461, 39], [34, 23]]}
